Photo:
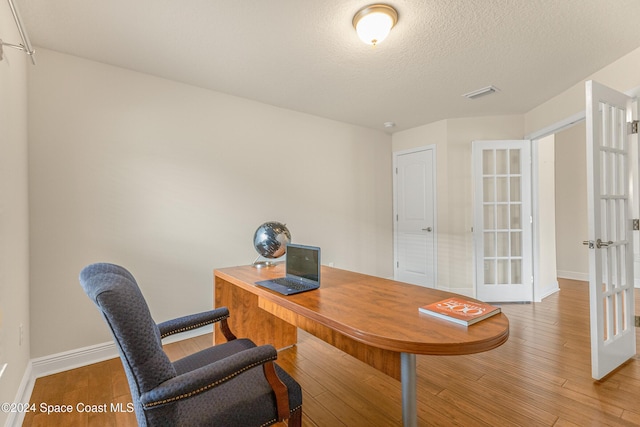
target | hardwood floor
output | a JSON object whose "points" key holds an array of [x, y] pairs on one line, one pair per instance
{"points": [[540, 377]]}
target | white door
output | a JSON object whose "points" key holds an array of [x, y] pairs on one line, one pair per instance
{"points": [[502, 220], [415, 229], [610, 230]]}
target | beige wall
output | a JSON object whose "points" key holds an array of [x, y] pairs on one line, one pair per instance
{"points": [[571, 203], [14, 233], [171, 181], [454, 186], [621, 75]]}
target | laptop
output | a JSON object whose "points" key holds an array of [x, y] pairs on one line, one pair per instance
{"points": [[302, 267]]}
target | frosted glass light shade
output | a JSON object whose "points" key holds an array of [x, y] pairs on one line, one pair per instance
{"points": [[373, 23]]}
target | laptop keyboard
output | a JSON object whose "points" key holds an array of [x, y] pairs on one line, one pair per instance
{"points": [[291, 284]]}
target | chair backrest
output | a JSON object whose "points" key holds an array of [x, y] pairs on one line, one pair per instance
{"points": [[116, 293]]}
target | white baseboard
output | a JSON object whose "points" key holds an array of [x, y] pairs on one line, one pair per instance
{"points": [[54, 363], [59, 362], [550, 290], [23, 395], [573, 275]]}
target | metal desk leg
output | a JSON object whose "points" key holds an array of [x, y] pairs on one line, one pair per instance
{"points": [[409, 394]]}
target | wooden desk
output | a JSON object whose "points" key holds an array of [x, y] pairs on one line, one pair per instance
{"points": [[375, 320]]}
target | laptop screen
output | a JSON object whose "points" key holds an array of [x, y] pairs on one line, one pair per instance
{"points": [[303, 262]]}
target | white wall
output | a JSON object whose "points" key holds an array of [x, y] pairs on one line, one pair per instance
{"points": [[171, 181], [14, 233]]}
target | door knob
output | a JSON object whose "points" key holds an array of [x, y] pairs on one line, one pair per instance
{"points": [[427, 229]]}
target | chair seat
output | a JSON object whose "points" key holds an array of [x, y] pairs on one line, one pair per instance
{"points": [[228, 403], [229, 400]]}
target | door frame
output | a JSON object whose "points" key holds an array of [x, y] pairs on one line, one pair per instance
{"points": [[535, 138], [434, 204]]}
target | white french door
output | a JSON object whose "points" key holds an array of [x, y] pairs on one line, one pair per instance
{"points": [[415, 226], [611, 293], [502, 220]]}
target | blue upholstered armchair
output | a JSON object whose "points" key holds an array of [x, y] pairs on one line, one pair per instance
{"points": [[232, 384]]}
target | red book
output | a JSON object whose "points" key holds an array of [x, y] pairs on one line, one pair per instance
{"points": [[460, 311]]}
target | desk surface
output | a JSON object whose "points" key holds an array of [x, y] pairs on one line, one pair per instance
{"points": [[378, 312]]}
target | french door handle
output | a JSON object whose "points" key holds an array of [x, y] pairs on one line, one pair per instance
{"points": [[429, 229], [601, 244], [597, 244]]}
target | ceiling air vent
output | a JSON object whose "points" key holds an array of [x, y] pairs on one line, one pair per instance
{"points": [[481, 92]]}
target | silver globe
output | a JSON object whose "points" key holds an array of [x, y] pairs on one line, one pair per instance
{"points": [[271, 238]]}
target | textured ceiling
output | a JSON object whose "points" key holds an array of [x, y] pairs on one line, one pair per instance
{"points": [[304, 55]]}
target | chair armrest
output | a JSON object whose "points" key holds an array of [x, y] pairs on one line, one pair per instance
{"points": [[192, 321], [207, 377]]}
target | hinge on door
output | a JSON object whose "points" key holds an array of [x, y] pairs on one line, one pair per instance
{"points": [[633, 127], [398, 264], [637, 319], [636, 224]]}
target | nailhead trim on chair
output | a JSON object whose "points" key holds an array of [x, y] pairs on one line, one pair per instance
{"points": [[188, 328], [268, 423], [207, 387]]}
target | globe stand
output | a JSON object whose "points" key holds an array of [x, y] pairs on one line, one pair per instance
{"points": [[265, 263]]}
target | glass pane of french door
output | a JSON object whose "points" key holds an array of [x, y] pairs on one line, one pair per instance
{"points": [[503, 224]]}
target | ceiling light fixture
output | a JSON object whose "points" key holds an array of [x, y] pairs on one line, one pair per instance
{"points": [[373, 23], [481, 92]]}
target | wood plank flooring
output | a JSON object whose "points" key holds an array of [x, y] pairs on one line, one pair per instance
{"points": [[540, 377]]}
